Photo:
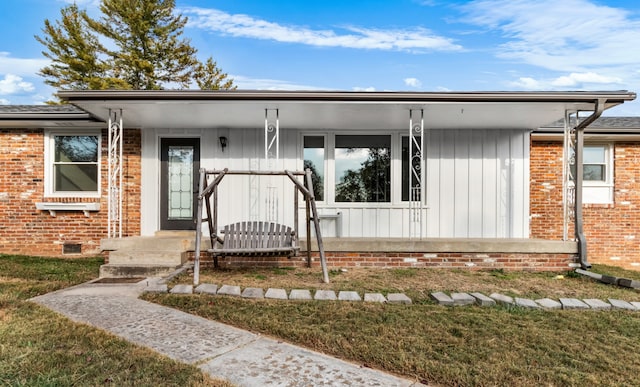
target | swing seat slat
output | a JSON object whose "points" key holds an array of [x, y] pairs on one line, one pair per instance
{"points": [[257, 238]]}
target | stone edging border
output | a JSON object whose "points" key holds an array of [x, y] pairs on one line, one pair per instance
{"points": [[454, 299]]}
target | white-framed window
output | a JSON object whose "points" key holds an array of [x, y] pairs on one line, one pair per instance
{"points": [[349, 168], [598, 173], [72, 163], [362, 168]]}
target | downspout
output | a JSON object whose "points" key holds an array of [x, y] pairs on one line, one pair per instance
{"points": [[579, 222]]}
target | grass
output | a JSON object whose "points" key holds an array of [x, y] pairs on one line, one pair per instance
{"points": [[440, 345], [41, 348]]}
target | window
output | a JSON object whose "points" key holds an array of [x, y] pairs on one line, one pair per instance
{"points": [[363, 168], [314, 156], [73, 164], [595, 163], [597, 169]]}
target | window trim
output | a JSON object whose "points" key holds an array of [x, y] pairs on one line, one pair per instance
{"points": [[49, 157], [590, 188], [329, 188]]}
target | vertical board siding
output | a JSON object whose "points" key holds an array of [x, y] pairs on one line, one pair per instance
{"points": [[460, 192], [476, 185], [476, 195]]}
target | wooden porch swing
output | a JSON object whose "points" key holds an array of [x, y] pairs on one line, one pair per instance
{"points": [[255, 238]]}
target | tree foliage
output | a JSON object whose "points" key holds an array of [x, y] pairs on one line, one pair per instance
{"points": [[135, 44], [370, 183], [75, 54], [316, 179], [208, 76]]}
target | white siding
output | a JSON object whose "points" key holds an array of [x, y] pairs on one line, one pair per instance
{"points": [[477, 184]]}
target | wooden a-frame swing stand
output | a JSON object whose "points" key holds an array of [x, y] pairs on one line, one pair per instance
{"points": [[255, 238]]}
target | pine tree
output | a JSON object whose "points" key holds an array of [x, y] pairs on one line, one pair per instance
{"points": [[146, 50], [74, 53], [209, 76]]}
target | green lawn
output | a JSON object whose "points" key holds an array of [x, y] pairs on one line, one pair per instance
{"points": [[40, 348], [442, 345]]}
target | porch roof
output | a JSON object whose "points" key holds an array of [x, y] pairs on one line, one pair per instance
{"points": [[43, 116], [337, 110]]}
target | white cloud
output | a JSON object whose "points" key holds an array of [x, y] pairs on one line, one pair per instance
{"points": [[413, 82], [426, 3], [248, 83], [567, 35], [370, 88], [238, 25], [527, 83], [13, 84], [4, 101], [575, 81], [579, 79], [20, 66]]}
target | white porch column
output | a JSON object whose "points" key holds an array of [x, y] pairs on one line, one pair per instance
{"points": [[271, 135], [416, 173], [272, 158], [568, 180], [114, 179]]}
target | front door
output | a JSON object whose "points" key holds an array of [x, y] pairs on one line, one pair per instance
{"points": [[179, 165]]}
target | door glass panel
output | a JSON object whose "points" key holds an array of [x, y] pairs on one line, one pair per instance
{"points": [[180, 182]]}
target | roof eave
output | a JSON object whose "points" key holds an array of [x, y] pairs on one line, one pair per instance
{"points": [[611, 97]]}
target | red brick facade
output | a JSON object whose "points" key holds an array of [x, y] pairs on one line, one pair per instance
{"points": [[26, 230], [612, 230]]}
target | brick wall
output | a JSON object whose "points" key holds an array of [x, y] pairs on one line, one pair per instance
{"points": [[612, 230], [480, 261], [25, 230]]}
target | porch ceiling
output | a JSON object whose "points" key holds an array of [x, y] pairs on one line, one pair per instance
{"points": [[338, 110]]}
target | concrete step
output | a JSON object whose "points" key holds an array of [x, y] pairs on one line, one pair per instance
{"points": [[146, 243], [187, 234], [148, 257], [125, 271], [153, 243]]}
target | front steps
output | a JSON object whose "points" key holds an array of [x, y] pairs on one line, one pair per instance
{"points": [[147, 256]]}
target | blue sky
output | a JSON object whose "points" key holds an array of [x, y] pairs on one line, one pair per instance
{"points": [[414, 45]]}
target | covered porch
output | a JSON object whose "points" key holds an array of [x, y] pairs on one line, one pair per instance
{"points": [[457, 176]]}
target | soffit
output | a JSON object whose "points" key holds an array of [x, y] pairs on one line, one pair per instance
{"points": [[337, 110]]}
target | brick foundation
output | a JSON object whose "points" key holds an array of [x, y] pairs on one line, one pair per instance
{"points": [[516, 262]]}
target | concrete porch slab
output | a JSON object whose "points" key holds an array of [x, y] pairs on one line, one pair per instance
{"points": [[446, 245]]}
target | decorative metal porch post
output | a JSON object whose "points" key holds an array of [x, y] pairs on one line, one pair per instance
{"points": [[114, 161], [416, 172], [568, 181], [271, 135], [272, 156]]}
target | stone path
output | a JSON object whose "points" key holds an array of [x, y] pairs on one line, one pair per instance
{"points": [[244, 358]]}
